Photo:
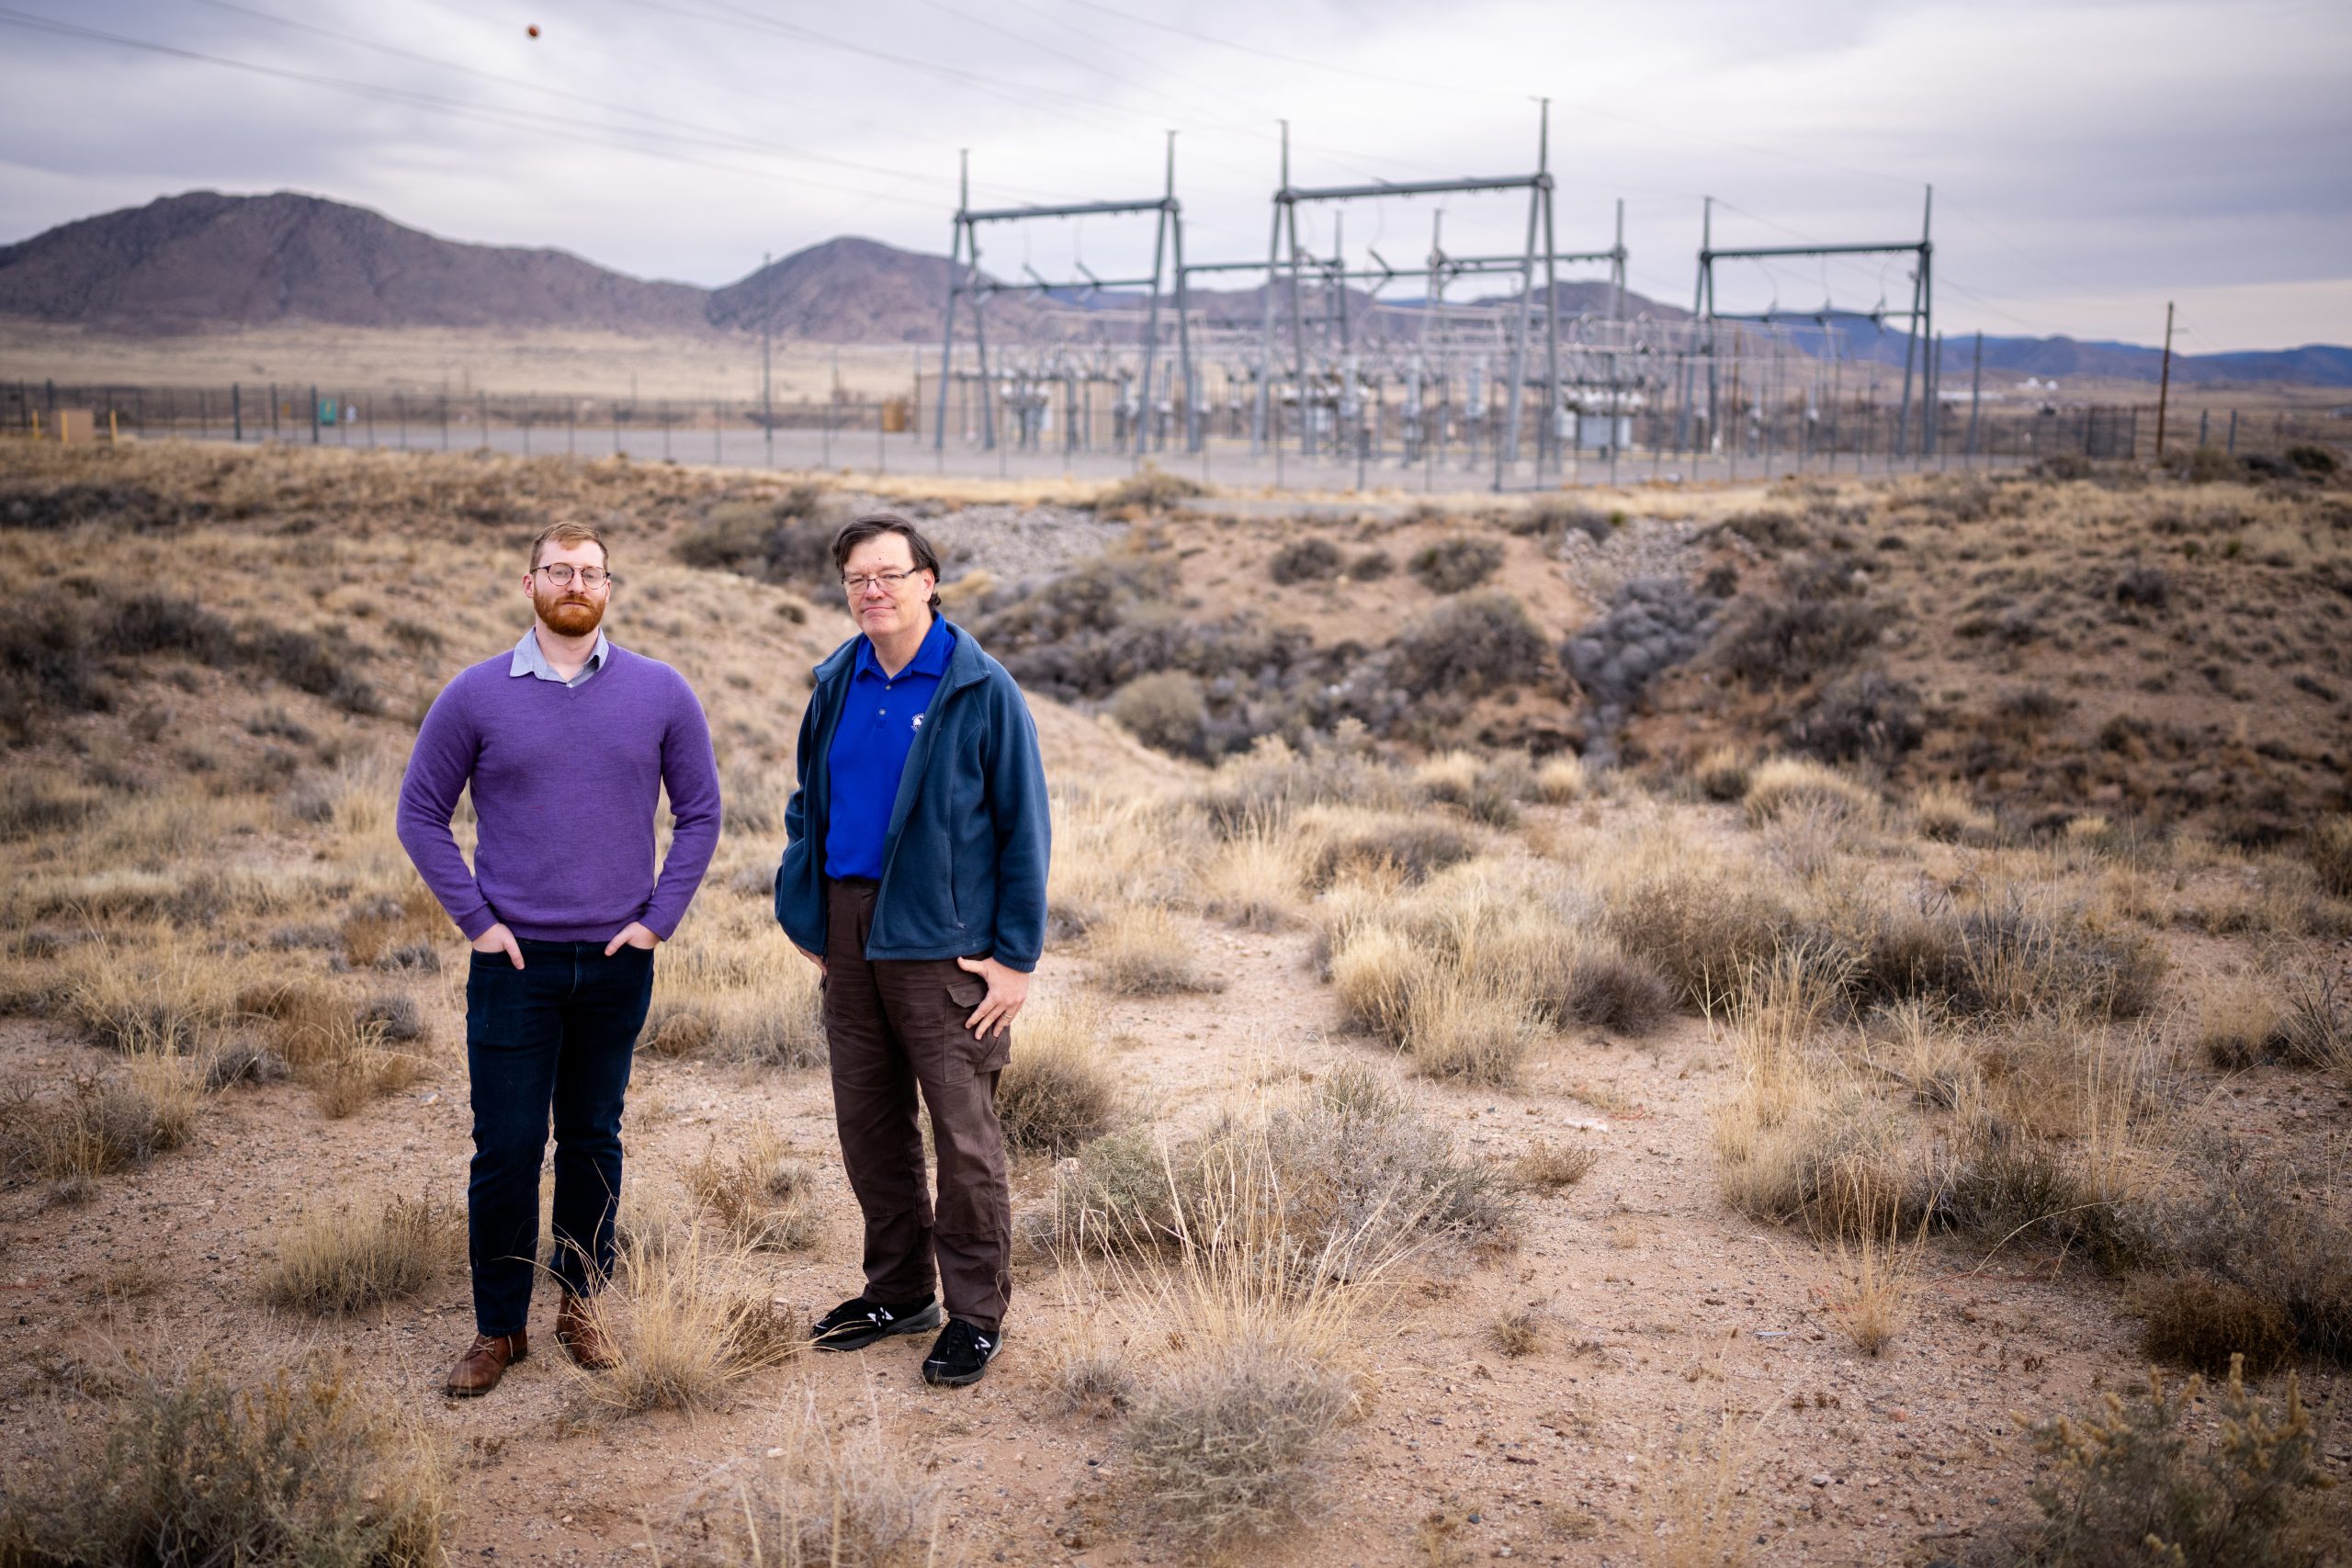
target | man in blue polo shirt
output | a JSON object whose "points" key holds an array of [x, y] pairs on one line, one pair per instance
{"points": [[914, 878]]}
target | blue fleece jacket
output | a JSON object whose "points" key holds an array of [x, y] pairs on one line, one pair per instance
{"points": [[963, 861]]}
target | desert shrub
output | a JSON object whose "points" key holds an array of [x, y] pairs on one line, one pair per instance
{"points": [[2138, 1480], [1817, 624], [303, 662], [1460, 1026], [1164, 710], [103, 1123], [788, 539], [1470, 646], [2252, 1224], [299, 1471], [2313, 458], [1487, 789], [50, 508], [1722, 773], [2197, 1321], [1555, 517], [2060, 467], [1859, 718], [336, 1261], [2331, 855], [1455, 565], [1149, 489], [1371, 565], [2145, 586], [396, 1018], [756, 1194], [1060, 1091], [1307, 559], [1122, 1193], [1232, 1442]]}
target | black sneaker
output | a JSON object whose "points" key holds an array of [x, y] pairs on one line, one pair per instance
{"points": [[961, 1355], [854, 1325]]}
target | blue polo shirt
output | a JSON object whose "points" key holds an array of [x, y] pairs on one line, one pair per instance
{"points": [[879, 720]]}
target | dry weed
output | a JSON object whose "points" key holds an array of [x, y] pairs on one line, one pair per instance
{"points": [[820, 1499], [1783, 784], [757, 1194]]}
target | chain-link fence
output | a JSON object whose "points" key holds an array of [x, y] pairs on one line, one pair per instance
{"points": [[1380, 444]]}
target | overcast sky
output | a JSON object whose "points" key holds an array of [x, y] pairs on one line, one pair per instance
{"points": [[2091, 160]]}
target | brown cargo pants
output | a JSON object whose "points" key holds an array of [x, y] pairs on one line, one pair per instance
{"points": [[894, 1025]]}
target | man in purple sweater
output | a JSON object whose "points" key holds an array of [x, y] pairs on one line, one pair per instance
{"points": [[567, 742]]}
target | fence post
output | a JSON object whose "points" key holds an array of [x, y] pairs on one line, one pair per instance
{"points": [[2233, 433], [717, 459], [663, 404], [273, 412], [236, 410], [445, 419], [314, 414], [481, 412]]}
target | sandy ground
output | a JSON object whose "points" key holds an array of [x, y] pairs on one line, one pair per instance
{"points": [[1673, 1331]]}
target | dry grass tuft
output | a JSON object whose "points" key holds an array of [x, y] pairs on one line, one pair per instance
{"points": [[302, 1468], [1232, 1438], [731, 991], [1254, 879], [2331, 855], [1560, 779], [336, 1261], [1059, 1091], [1138, 949], [821, 1500], [757, 1194], [1553, 1168], [1877, 1272], [1517, 1332], [1945, 814], [685, 1324], [1784, 783], [2238, 1018]]}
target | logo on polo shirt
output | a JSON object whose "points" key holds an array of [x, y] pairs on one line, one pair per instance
{"points": [[918, 721]]}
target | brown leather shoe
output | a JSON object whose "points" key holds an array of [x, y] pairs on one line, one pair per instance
{"points": [[578, 1331], [484, 1362]]}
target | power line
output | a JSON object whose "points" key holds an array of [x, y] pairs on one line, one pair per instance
{"points": [[505, 119], [705, 134]]}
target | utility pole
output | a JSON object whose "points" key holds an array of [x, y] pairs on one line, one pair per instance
{"points": [[2163, 383], [1975, 393], [767, 390]]}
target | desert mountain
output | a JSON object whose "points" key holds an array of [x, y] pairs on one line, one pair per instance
{"points": [[204, 261]]}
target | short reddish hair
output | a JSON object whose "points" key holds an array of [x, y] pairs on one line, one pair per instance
{"points": [[567, 535]]}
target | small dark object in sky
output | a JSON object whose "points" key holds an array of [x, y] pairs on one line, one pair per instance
{"points": [[533, 29]]}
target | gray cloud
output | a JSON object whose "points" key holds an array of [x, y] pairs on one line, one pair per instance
{"points": [[2091, 158]]}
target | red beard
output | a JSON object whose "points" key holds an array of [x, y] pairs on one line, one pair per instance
{"points": [[569, 616]]}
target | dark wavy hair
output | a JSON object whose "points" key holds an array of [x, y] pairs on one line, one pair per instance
{"points": [[873, 525]]}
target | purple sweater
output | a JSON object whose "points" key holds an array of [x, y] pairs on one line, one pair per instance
{"points": [[565, 780]]}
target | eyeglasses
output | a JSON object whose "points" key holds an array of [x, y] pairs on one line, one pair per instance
{"points": [[890, 580], [590, 576]]}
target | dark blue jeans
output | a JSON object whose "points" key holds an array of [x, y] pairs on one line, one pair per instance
{"points": [[553, 1038]]}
